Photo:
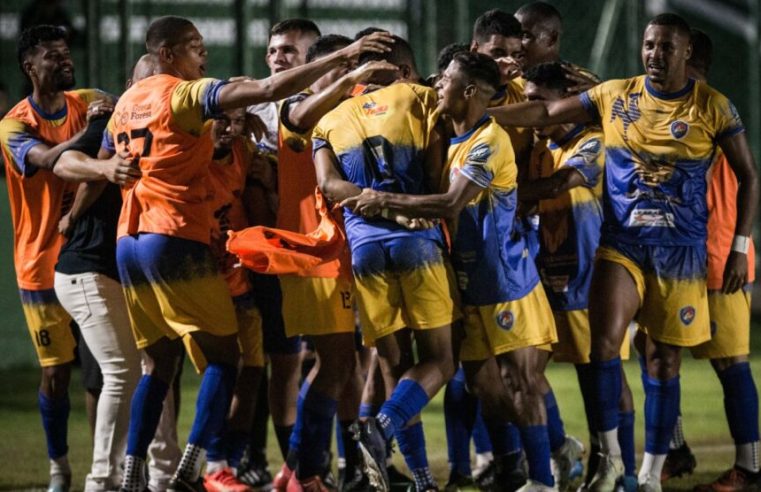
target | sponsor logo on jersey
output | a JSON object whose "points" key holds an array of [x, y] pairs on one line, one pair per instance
{"points": [[687, 314], [679, 129], [505, 320], [628, 113], [650, 217], [372, 109]]}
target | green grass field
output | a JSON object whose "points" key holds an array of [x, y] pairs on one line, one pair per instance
{"points": [[24, 466]]}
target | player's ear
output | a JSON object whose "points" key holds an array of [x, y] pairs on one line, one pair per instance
{"points": [[474, 46], [166, 54], [554, 37], [470, 90], [28, 68], [688, 51]]}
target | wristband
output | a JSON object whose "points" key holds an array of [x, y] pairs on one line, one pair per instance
{"points": [[741, 244]]}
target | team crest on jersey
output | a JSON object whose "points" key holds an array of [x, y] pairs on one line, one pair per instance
{"points": [[687, 314], [505, 320], [679, 129], [372, 109], [629, 113]]}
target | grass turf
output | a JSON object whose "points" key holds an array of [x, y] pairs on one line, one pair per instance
{"points": [[24, 465]]}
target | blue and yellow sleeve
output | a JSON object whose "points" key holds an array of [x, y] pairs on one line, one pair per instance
{"points": [[194, 102], [90, 95], [17, 140], [478, 166], [588, 160], [726, 118], [594, 99], [108, 137]]}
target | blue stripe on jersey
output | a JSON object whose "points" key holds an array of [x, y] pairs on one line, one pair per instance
{"points": [[61, 113], [107, 142], [20, 145], [46, 296], [589, 106], [649, 201], [210, 99]]}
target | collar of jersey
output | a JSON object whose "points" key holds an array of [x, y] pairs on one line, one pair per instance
{"points": [[566, 138], [500, 93], [484, 119], [669, 95], [49, 116]]}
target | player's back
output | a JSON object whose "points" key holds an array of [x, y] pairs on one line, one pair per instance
{"points": [[381, 140]]}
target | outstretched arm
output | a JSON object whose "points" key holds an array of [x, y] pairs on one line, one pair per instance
{"points": [[741, 161], [288, 82], [542, 113], [551, 186]]}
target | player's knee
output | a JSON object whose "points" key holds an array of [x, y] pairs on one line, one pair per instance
{"points": [[604, 348], [55, 380], [723, 363]]}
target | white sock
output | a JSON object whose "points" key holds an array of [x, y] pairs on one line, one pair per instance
{"points": [[134, 474], [746, 456], [677, 439], [483, 459], [60, 466], [609, 442], [215, 466], [191, 462], [652, 465]]}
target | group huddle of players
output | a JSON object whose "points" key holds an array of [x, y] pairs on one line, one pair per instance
{"points": [[508, 210]]}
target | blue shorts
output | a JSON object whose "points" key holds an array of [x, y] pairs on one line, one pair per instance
{"points": [[269, 300]]}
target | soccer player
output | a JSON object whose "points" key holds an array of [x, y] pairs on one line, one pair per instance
{"points": [[730, 314], [174, 292], [506, 311], [660, 130], [382, 139], [32, 135], [230, 164], [566, 181]]}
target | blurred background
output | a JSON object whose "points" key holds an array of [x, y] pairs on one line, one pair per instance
{"points": [[107, 37]]}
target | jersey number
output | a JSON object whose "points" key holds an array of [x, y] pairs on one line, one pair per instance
{"points": [[42, 338], [143, 133]]}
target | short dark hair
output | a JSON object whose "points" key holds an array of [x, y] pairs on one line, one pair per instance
{"points": [[166, 31], [479, 67], [671, 20], [540, 11], [401, 54], [325, 45], [31, 38], [496, 21], [368, 30], [447, 53], [305, 26], [702, 51], [550, 75]]}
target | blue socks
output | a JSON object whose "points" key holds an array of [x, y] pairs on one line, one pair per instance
{"points": [[55, 421], [229, 446], [555, 427], [367, 410], [481, 434], [586, 385], [536, 443], [316, 428], [458, 419], [740, 402], [212, 404], [626, 441], [295, 437], [412, 446], [145, 412], [407, 400], [661, 412], [606, 387]]}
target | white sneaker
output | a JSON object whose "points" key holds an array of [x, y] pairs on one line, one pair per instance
{"points": [[609, 471], [564, 459], [649, 484], [532, 486]]}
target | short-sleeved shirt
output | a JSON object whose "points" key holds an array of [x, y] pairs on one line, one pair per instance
{"points": [[569, 224], [491, 259], [38, 198], [722, 219], [162, 120], [381, 139], [522, 139], [658, 147]]}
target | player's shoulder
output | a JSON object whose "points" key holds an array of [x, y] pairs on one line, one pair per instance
{"points": [[22, 111], [485, 140], [89, 95]]}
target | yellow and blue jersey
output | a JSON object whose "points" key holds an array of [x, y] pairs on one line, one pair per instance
{"points": [[569, 224], [490, 257], [381, 139], [658, 148]]}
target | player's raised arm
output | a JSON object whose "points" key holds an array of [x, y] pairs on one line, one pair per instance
{"points": [[741, 160], [288, 82], [542, 113]]}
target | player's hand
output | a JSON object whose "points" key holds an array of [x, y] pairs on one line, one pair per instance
{"points": [[65, 225], [261, 171], [121, 170], [363, 73], [101, 107], [735, 272], [255, 127], [377, 42], [415, 224], [509, 68], [581, 81], [367, 204]]}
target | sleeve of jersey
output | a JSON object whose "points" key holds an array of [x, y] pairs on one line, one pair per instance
{"points": [[588, 161], [90, 95], [477, 166], [194, 102], [728, 122], [285, 114], [17, 142], [592, 101], [320, 137], [107, 142]]}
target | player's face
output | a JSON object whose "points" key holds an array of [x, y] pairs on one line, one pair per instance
{"points": [[288, 50], [190, 55], [664, 54], [498, 46], [450, 90], [536, 44], [534, 92], [52, 66]]}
